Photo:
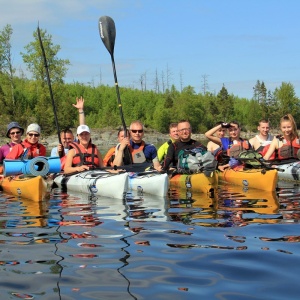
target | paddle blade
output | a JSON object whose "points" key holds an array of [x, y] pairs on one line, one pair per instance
{"points": [[107, 31]]}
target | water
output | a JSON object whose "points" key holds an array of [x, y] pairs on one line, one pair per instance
{"points": [[233, 245]]}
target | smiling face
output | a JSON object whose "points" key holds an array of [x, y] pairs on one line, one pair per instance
{"points": [[174, 133], [66, 139], [263, 129], [84, 138], [234, 131], [15, 135], [33, 137], [286, 128], [184, 131]]}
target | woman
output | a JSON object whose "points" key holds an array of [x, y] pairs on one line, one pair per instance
{"points": [[14, 133], [288, 145], [83, 155], [30, 147], [233, 145]]}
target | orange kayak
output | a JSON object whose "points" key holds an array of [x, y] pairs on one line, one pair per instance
{"points": [[253, 178], [34, 188]]}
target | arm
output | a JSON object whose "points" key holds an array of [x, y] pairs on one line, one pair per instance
{"points": [[272, 148], [118, 161], [162, 151], [169, 157], [210, 135], [80, 106]]}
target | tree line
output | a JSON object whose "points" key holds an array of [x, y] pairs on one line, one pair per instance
{"points": [[27, 100]]}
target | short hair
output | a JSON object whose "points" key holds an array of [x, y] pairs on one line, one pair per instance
{"points": [[66, 130], [173, 125], [185, 121], [263, 121], [236, 123], [136, 122]]}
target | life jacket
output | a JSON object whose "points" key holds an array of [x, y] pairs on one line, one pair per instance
{"points": [[234, 148], [84, 156], [138, 155], [30, 151], [289, 149]]}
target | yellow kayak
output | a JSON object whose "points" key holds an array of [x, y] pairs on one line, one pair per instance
{"points": [[198, 182], [253, 178], [34, 188]]}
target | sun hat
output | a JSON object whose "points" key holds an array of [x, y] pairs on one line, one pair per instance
{"points": [[34, 127], [83, 128], [13, 125]]}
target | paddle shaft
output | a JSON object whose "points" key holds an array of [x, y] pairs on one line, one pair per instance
{"points": [[61, 153]]}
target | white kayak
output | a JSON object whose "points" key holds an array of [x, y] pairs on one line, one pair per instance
{"points": [[148, 182], [97, 182], [289, 171]]}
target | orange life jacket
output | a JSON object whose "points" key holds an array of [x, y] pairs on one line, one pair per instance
{"points": [[85, 156], [289, 149], [264, 149], [138, 155]]}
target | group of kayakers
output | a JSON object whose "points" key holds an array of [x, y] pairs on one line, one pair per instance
{"points": [[79, 154]]}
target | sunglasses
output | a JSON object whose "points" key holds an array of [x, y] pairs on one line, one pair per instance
{"points": [[135, 130], [15, 132], [34, 134]]}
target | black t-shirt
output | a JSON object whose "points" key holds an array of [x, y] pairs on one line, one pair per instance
{"points": [[173, 151]]}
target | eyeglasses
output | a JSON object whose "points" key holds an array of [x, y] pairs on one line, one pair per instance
{"points": [[15, 132], [34, 134], [184, 129], [137, 130]]}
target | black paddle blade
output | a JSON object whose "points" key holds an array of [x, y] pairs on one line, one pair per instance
{"points": [[107, 31]]}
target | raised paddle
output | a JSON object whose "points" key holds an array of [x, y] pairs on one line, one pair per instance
{"points": [[61, 153], [107, 31]]}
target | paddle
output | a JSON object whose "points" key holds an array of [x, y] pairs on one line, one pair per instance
{"points": [[61, 153], [107, 31]]}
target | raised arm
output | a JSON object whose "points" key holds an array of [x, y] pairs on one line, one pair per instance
{"points": [[210, 135], [80, 106]]}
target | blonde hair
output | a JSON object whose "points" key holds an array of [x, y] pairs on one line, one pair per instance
{"points": [[290, 118]]}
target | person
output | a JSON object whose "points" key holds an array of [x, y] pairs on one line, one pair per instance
{"points": [[110, 155], [14, 133], [163, 149], [233, 145], [31, 144], [66, 135], [287, 146], [213, 147], [82, 155], [185, 142], [263, 139], [139, 151]]}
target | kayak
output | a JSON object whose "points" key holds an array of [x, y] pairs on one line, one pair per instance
{"points": [[197, 182], [34, 188], [252, 178], [289, 171], [96, 182], [148, 182]]}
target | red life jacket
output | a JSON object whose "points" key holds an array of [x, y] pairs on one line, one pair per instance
{"points": [[289, 149], [85, 156], [236, 147], [264, 149]]}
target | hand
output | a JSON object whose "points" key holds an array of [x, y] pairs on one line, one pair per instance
{"points": [[79, 103], [82, 168], [59, 148], [125, 142], [225, 125]]}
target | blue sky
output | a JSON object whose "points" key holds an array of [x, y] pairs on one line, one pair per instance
{"points": [[230, 42]]}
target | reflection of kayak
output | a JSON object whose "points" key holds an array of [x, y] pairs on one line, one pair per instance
{"points": [[254, 178], [198, 182], [34, 188], [255, 206], [97, 182]]}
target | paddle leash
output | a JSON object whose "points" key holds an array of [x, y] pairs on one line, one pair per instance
{"points": [[107, 31], [61, 153]]}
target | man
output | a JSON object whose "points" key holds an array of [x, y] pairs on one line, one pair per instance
{"points": [[139, 151], [66, 137], [14, 133], [163, 149], [264, 138], [184, 142], [110, 155]]}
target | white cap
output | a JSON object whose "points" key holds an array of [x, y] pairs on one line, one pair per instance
{"points": [[33, 127], [83, 128]]}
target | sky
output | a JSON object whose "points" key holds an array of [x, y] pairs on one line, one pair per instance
{"points": [[201, 43]]}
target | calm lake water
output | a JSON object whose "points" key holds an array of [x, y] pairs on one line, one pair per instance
{"points": [[232, 245]]}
